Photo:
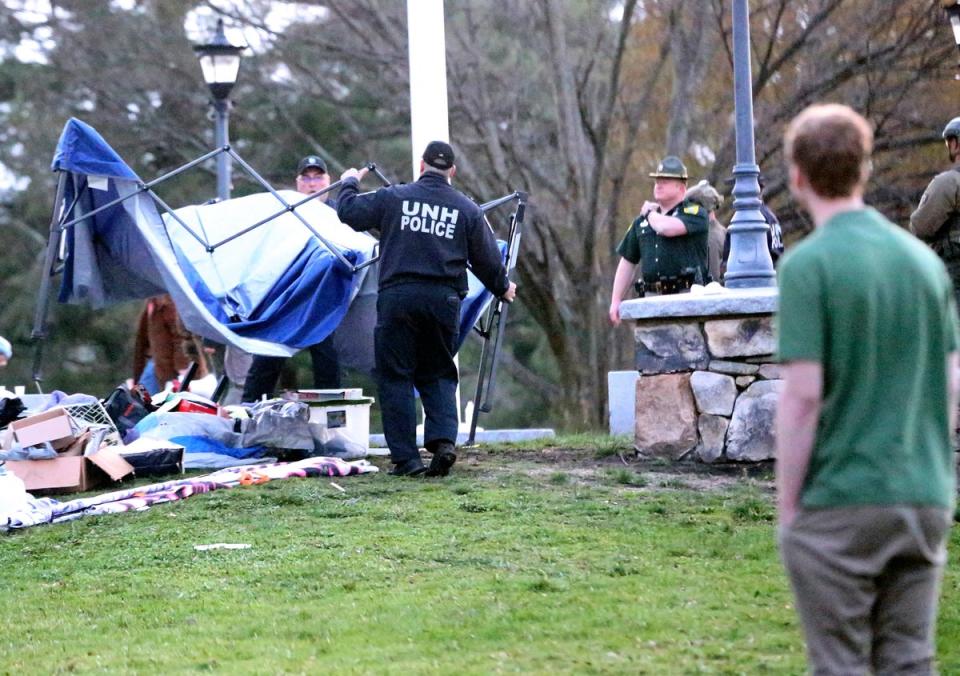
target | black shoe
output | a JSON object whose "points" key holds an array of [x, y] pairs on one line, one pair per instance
{"points": [[411, 467], [443, 459]]}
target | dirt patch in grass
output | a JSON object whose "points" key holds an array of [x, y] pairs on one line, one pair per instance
{"points": [[558, 464]]}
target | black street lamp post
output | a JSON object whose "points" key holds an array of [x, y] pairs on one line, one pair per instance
{"points": [[220, 61], [749, 264]]}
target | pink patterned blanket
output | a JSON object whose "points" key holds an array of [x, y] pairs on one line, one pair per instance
{"points": [[47, 510]]}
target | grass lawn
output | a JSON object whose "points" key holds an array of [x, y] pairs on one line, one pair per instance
{"points": [[559, 560]]}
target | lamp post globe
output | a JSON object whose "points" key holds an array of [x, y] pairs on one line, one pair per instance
{"points": [[220, 62]]}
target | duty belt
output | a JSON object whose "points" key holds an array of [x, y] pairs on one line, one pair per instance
{"points": [[664, 286], [669, 285]]}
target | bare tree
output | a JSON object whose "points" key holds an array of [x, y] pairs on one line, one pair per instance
{"points": [[888, 59]]}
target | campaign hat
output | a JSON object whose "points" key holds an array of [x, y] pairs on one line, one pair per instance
{"points": [[670, 167]]}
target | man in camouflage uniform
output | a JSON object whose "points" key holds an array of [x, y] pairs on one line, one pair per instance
{"points": [[937, 219], [668, 240], [710, 199]]}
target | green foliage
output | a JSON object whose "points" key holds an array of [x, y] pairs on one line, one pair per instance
{"points": [[627, 477], [602, 445], [752, 508]]}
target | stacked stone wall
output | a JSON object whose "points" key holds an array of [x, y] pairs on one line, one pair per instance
{"points": [[707, 388]]}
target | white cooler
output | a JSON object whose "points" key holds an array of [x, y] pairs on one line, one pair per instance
{"points": [[344, 415]]}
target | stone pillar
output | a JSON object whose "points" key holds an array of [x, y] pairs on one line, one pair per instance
{"points": [[666, 415], [708, 384]]}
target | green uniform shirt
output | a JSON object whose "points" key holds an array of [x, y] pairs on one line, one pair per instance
{"points": [[662, 257], [874, 306]]}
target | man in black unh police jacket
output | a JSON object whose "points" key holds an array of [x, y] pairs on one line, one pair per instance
{"points": [[429, 232]]}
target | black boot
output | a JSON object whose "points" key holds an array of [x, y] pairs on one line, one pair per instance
{"points": [[411, 467], [443, 459]]}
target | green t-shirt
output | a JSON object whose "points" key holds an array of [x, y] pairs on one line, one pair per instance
{"points": [[874, 306], [662, 257]]}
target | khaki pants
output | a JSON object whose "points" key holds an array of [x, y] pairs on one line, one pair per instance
{"points": [[866, 582]]}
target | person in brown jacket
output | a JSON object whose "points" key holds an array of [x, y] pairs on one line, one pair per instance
{"points": [[162, 339], [710, 199]]}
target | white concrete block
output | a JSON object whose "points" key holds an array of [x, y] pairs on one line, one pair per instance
{"points": [[622, 400]]}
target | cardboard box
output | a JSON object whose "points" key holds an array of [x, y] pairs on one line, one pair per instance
{"points": [[53, 426], [71, 473]]}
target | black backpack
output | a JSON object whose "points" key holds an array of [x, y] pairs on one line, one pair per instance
{"points": [[128, 407]]}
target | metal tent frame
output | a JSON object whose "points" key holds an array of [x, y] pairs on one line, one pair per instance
{"points": [[61, 220], [495, 322]]}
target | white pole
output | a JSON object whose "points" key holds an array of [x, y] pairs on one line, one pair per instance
{"points": [[428, 86], [428, 76]]}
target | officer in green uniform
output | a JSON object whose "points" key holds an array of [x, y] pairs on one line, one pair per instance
{"points": [[668, 240], [937, 219]]}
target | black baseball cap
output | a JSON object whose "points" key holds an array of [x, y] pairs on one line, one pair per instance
{"points": [[438, 155], [311, 162]]}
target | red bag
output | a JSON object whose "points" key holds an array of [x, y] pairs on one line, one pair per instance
{"points": [[187, 406]]}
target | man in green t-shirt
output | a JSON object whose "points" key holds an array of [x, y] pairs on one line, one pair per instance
{"points": [[668, 240], [865, 469]]}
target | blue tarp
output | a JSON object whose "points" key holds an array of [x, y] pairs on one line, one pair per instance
{"points": [[128, 251], [82, 150], [274, 290]]}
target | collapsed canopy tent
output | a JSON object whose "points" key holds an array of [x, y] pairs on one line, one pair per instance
{"points": [[274, 290], [270, 273]]}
